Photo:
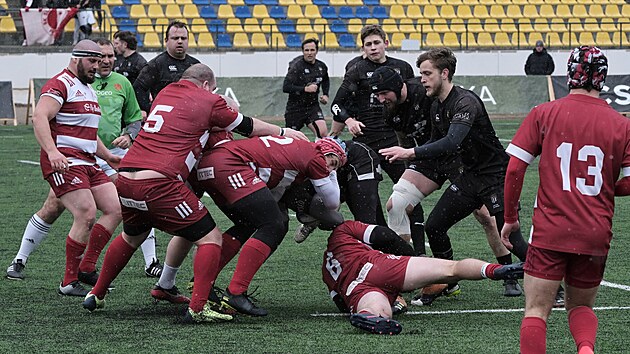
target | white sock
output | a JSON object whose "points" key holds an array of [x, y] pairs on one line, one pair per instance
{"points": [[167, 279], [148, 249], [35, 232], [483, 271]]}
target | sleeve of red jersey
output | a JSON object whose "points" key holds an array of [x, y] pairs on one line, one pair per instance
{"points": [[223, 116], [622, 188], [55, 89]]}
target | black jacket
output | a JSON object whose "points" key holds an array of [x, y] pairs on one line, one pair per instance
{"points": [[539, 63]]}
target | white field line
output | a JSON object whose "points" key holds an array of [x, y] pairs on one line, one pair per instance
{"points": [[29, 162], [457, 312], [616, 286]]}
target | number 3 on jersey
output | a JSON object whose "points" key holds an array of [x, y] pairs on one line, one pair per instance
{"points": [[155, 121], [564, 152], [333, 266]]}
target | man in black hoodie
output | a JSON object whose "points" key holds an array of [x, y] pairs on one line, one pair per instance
{"points": [[539, 62]]}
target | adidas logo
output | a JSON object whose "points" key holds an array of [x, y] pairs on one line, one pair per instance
{"points": [[256, 180], [79, 94], [76, 180]]}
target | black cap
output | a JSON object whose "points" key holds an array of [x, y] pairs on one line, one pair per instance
{"points": [[386, 79]]}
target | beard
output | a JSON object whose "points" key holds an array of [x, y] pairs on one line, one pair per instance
{"points": [[84, 75]]}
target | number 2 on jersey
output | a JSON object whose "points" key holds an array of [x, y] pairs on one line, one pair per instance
{"points": [[564, 152], [281, 141]]}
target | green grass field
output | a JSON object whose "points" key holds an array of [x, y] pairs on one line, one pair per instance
{"points": [[302, 318]]}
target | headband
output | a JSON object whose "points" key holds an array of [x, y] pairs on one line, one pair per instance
{"points": [[78, 53]]}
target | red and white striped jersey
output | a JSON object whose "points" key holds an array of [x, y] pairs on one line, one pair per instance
{"points": [[75, 126]]}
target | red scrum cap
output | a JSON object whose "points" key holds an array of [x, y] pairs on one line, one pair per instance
{"points": [[335, 146]]}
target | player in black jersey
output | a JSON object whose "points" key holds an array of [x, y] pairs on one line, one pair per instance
{"points": [[407, 109], [304, 79], [128, 61], [460, 129], [165, 68], [367, 125]]}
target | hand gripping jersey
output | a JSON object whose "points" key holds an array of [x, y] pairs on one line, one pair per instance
{"points": [[75, 126], [583, 144], [176, 130]]}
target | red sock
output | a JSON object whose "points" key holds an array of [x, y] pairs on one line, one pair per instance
{"points": [[74, 251], [583, 325], [253, 255], [229, 249], [490, 270], [98, 240], [533, 336], [116, 258], [205, 270]]}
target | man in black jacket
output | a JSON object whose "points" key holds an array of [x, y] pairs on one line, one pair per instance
{"points": [[539, 62]]}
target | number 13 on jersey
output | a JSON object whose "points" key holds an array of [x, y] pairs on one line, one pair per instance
{"points": [[565, 153]]}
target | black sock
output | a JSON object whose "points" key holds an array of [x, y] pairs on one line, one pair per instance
{"points": [[507, 259]]}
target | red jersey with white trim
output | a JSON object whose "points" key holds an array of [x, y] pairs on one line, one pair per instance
{"points": [[174, 134], [75, 126], [279, 161], [583, 144], [346, 253]]}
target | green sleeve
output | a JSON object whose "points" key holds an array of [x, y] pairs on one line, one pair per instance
{"points": [[131, 109]]}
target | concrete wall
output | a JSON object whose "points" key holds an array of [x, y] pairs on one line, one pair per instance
{"points": [[20, 68]]}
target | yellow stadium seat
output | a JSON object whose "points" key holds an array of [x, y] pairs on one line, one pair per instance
{"points": [[458, 25], [569, 39], [612, 11], [161, 24], [260, 11], [534, 37], [355, 2], [553, 40], [447, 11], [520, 40], [575, 25], [431, 11], [563, 11], [312, 12], [399, 2], [225, 11], [396, 40], [321, 25], [286, 2], [438, 2], [596, 11], [486, 2], [355, 25], [303, 25], [251, 25], [337, 2], [502, 39], [492, 26], [602, 39], [586, 38], [241, 41], [205, 40], [269, 25], [475, 26], [155, 11], [259, 41], [233, 25], [484, 40], [148, 2], [152, 40], [416, 36], [294, 12], [145, 25], [453, 2], [198, 25], [470, 2], [508, 25], [620, 39], [579, 11], [137, 11], [8, 26], [406, 25], [192, 42], [165, 2], [570, 2], [497, 12], [591, 25], [190, 11], [397, 11], [503, 2], [557, 25], [514, 11], [236, 2], [546, 11], [609, 25], [312, 35], [451, 40], [481, 11], [300, 2], [277, 41], [69, 26], [433, 39], [330, 41], [173, 11], [525, 25], [625, 11], [413, 12], [184, 2], [440, 25], [536, 2], [423, 25], [541, 25], [389, 25], [387, 2], [520, 2], [530, 11], [108, 2], [464, 12]]}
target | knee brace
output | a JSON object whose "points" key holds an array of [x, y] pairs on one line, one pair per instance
{"points": [[405, 193]]}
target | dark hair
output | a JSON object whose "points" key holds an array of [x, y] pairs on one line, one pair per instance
{"points": [[311, 40], [127, 37], [442, 58], [177, 24], [370, 30], [102, 41]]}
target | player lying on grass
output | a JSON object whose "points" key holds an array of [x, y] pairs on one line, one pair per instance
{"points": [[364, 277]]}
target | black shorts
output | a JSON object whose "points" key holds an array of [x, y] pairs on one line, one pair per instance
{"points": [[297, 120], [482, 189], [439, 171]]}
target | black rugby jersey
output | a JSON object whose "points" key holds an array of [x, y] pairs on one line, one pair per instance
{"points": [[130, 66], [159, 72], [301, 74], [480, 151]]}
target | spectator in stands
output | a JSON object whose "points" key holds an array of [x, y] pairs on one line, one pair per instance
{"points": [[539, 62], [304, 79], [84, 20], [165, 68], [128, 61]]}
